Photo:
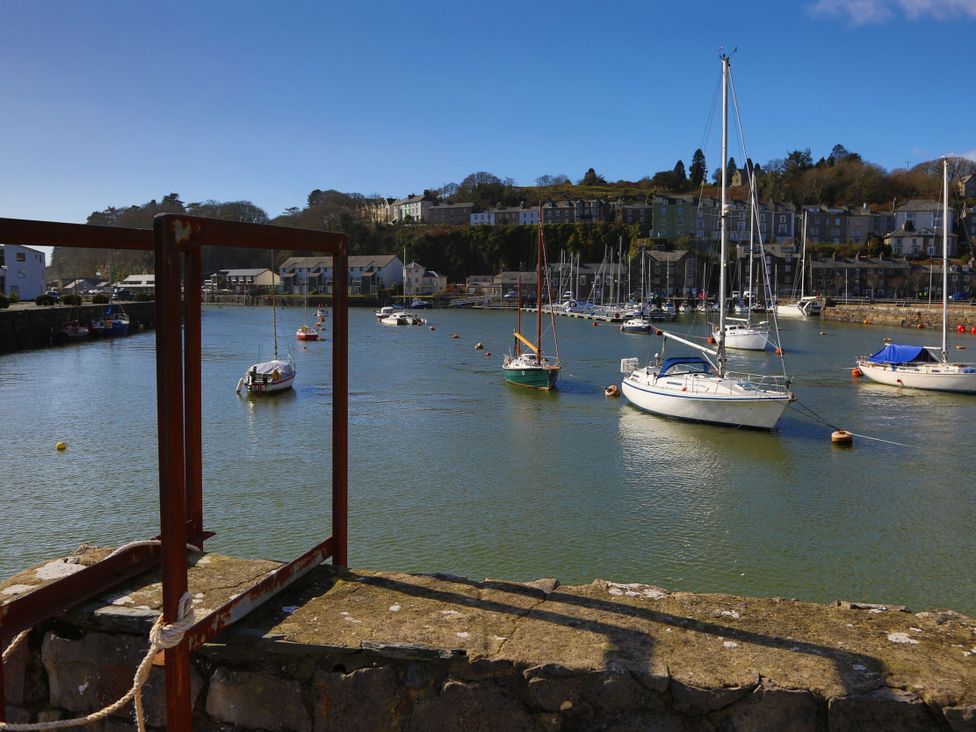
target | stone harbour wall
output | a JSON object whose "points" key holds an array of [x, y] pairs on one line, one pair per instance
{"points": [[906, 315], [37, 327], [352, 650]]}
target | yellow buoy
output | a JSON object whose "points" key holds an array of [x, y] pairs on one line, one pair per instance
{"points": [[841, 437], [61, 446], [612, 391]]}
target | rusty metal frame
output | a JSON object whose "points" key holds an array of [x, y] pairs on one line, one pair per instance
{"points": [[176, 241]]}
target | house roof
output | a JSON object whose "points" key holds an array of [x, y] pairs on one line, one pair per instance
{"points": [[375, 260], [244, 272], [920, 204]]}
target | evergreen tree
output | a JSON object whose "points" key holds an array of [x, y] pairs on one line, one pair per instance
{"points": [[680, 177], [698, 168]]}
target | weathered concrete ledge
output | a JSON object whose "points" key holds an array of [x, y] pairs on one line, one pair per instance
{"points": [[37, 327], [352, 650], [907, 315]]}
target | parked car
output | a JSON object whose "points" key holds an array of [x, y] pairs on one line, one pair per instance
{"points": [[961, 295], [54, 295], [120, 293]]}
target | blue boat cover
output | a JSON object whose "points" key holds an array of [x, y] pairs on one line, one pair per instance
{"points": [[901, 354], [702, 364]]}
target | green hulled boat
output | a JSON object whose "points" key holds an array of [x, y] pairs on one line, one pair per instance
{"points": [[530, 368]]}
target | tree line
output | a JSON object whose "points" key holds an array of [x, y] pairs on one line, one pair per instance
{"points": [[840, 177]]}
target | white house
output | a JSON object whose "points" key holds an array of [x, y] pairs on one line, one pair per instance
{"points": [[21, 271], [922, 214], [413, 208], [138, 283], [421, 281]]}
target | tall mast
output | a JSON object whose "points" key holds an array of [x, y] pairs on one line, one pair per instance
{"points": [[752, 222], [724, 217], [945, 259], [803, 257], [274, 308], [538, 296]]}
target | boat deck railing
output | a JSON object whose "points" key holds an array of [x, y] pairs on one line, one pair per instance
{"points": [[761, 382]]}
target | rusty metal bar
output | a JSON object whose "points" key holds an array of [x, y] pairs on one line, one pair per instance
{"points": [[47, 601], [47, 233], [172, 467], [340, 409], [3, 691], [192, 385], [271, 584]]}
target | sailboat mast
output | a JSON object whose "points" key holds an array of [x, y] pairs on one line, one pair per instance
{"points": [[752, 225], [538, 296], [274, 308], [803, 258], [945, 260], [724, 217]]}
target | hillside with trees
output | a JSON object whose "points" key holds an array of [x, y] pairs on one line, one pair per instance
{"points": [[841, 177]]}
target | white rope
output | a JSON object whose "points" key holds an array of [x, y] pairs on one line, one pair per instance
{"points": [[18, 639], [161, 637]]}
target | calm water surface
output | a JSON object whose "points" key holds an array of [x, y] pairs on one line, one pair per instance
{"points": [[453, 471]]}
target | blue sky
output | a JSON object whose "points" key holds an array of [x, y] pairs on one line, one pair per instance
{"points": [[116, 103]]}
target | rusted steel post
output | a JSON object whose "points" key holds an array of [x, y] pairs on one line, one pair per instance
{"points": [[3, 691], [192, 379], [172, 466], [340, 409]]}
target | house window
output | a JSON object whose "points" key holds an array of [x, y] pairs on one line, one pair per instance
{"points": [[21, 257]]}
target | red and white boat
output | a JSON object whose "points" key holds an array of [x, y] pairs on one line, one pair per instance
{"points": [[309, 333]]}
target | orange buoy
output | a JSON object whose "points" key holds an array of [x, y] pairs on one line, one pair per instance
{"points": [[856, 372], [710, 341], [487, 354], [612, 391], [455, 335], [920, 326], [841, 437], [659, 332], [960, 328], [779, 351], [867, 322], [973, 330], [595, 324]]}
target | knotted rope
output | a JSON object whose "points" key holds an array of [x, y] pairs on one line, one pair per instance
{"points": [[161, 637]]}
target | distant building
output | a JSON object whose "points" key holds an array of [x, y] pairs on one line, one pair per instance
{"points": [[242, 281], [914, 242], [922, 214], [22, 271], [145, 283], [413, 208], [450, 213], [421, 281], [367, 274], [633, 213]]}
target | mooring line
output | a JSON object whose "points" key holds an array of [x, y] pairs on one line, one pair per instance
{"points": [[809, 412]]}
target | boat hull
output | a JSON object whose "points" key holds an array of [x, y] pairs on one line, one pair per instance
{"points": [[746, 339], [710, 400], [544, 377], [935, 377]]}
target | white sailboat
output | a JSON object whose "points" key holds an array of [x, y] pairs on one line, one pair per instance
{"points": [[271, 376], [808, 305], [693, 387], [741, 333], [925, 367]]}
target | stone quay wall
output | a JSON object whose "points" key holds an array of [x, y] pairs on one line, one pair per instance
{"points": [[905, 315], [35, 327], [374, 651]]}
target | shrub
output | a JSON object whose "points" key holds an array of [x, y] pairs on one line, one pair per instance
{"points": [[71, 300], [99, 299], [43, 300], [4, 302], [14, 297], [143, 297]]}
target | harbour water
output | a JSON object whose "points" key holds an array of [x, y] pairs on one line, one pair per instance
{"points": [[453, 471]]}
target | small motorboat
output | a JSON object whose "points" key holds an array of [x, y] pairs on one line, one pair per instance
{"points": [[71, 331], [113, 323], [402, 317], [636, 325], [306, 333]]}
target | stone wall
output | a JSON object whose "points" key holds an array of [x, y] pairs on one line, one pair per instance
{"points": [[35, 327], [906, 315], [352, 651]]}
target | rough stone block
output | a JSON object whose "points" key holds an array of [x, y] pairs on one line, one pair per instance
{"points": [[154, 694], [478, 707], [788, 710], [892, 710], [961, 719], [92, 672], [257, 701], [554, 695], [615, 692], [15, 673], [691, 700], [365, 700]]}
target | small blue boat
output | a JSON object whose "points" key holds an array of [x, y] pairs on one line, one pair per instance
{"points": [[113, 323]]}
